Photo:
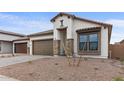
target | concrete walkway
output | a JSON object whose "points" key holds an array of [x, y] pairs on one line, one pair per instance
{"points": [[5, 78], [18, 59]]}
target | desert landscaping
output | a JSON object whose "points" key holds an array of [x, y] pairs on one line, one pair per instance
{"points": [[58, 69]]}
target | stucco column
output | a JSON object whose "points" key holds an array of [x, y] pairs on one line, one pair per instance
{"points": [[56, 47], [13, 48], [28, 48], [104, 42], [70, 46], [30, 45]]}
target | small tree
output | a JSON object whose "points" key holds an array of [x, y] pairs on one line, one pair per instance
{"points": [[68, 53]]}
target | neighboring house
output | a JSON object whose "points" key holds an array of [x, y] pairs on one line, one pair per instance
{"points": [[6, 41], [122, 41], [118, 43], [82, 36]]}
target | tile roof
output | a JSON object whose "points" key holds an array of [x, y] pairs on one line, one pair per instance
{"points": [[87, 20], [42, 33], [11, 33], [88, 29], [79, 18]]}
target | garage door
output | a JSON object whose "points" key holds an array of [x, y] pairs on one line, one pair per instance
{"points": [[43, 47], [21, 48]]}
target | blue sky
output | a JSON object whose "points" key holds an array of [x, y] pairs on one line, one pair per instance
{"points": [[31, 22]]}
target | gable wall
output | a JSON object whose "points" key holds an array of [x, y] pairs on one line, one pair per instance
{"points": [[78, 24], [67, 23], [73, 25]]}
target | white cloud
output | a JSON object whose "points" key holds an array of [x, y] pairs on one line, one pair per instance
{"points": [[26, 25], [118, 29], [17, 22], [6, 16], [116, 22]]}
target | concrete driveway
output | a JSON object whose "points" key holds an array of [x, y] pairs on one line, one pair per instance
{"points": [[5, 78], [18, 59]]}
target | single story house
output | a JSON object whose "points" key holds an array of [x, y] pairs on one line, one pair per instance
{"points": [[122, 41], [118, 43], [81, 36]]}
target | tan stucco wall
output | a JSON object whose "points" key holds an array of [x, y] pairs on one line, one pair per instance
{"points": [[104, 36], [80, 25], [68, 22], [7, 37], [73, 25], [6, 47], [104, 42]]}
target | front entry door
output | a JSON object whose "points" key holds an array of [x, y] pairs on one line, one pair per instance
{"points": [[62, 43]]}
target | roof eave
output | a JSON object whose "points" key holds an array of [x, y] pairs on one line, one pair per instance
{"points": [[39, 34], [11, 33], [83, 19], [61, 13], [92, 21]]}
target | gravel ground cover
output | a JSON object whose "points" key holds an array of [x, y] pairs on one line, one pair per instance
{"points": [[57, 69]]}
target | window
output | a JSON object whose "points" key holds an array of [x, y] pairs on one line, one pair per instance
{"points": [[83, 42], [61, 21], [88, 42], [93, 42]]}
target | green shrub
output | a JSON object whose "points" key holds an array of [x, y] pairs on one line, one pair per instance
{"points": [[30, 62], [118, 79], [96, 68], [122, 61], [30, 74]]}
